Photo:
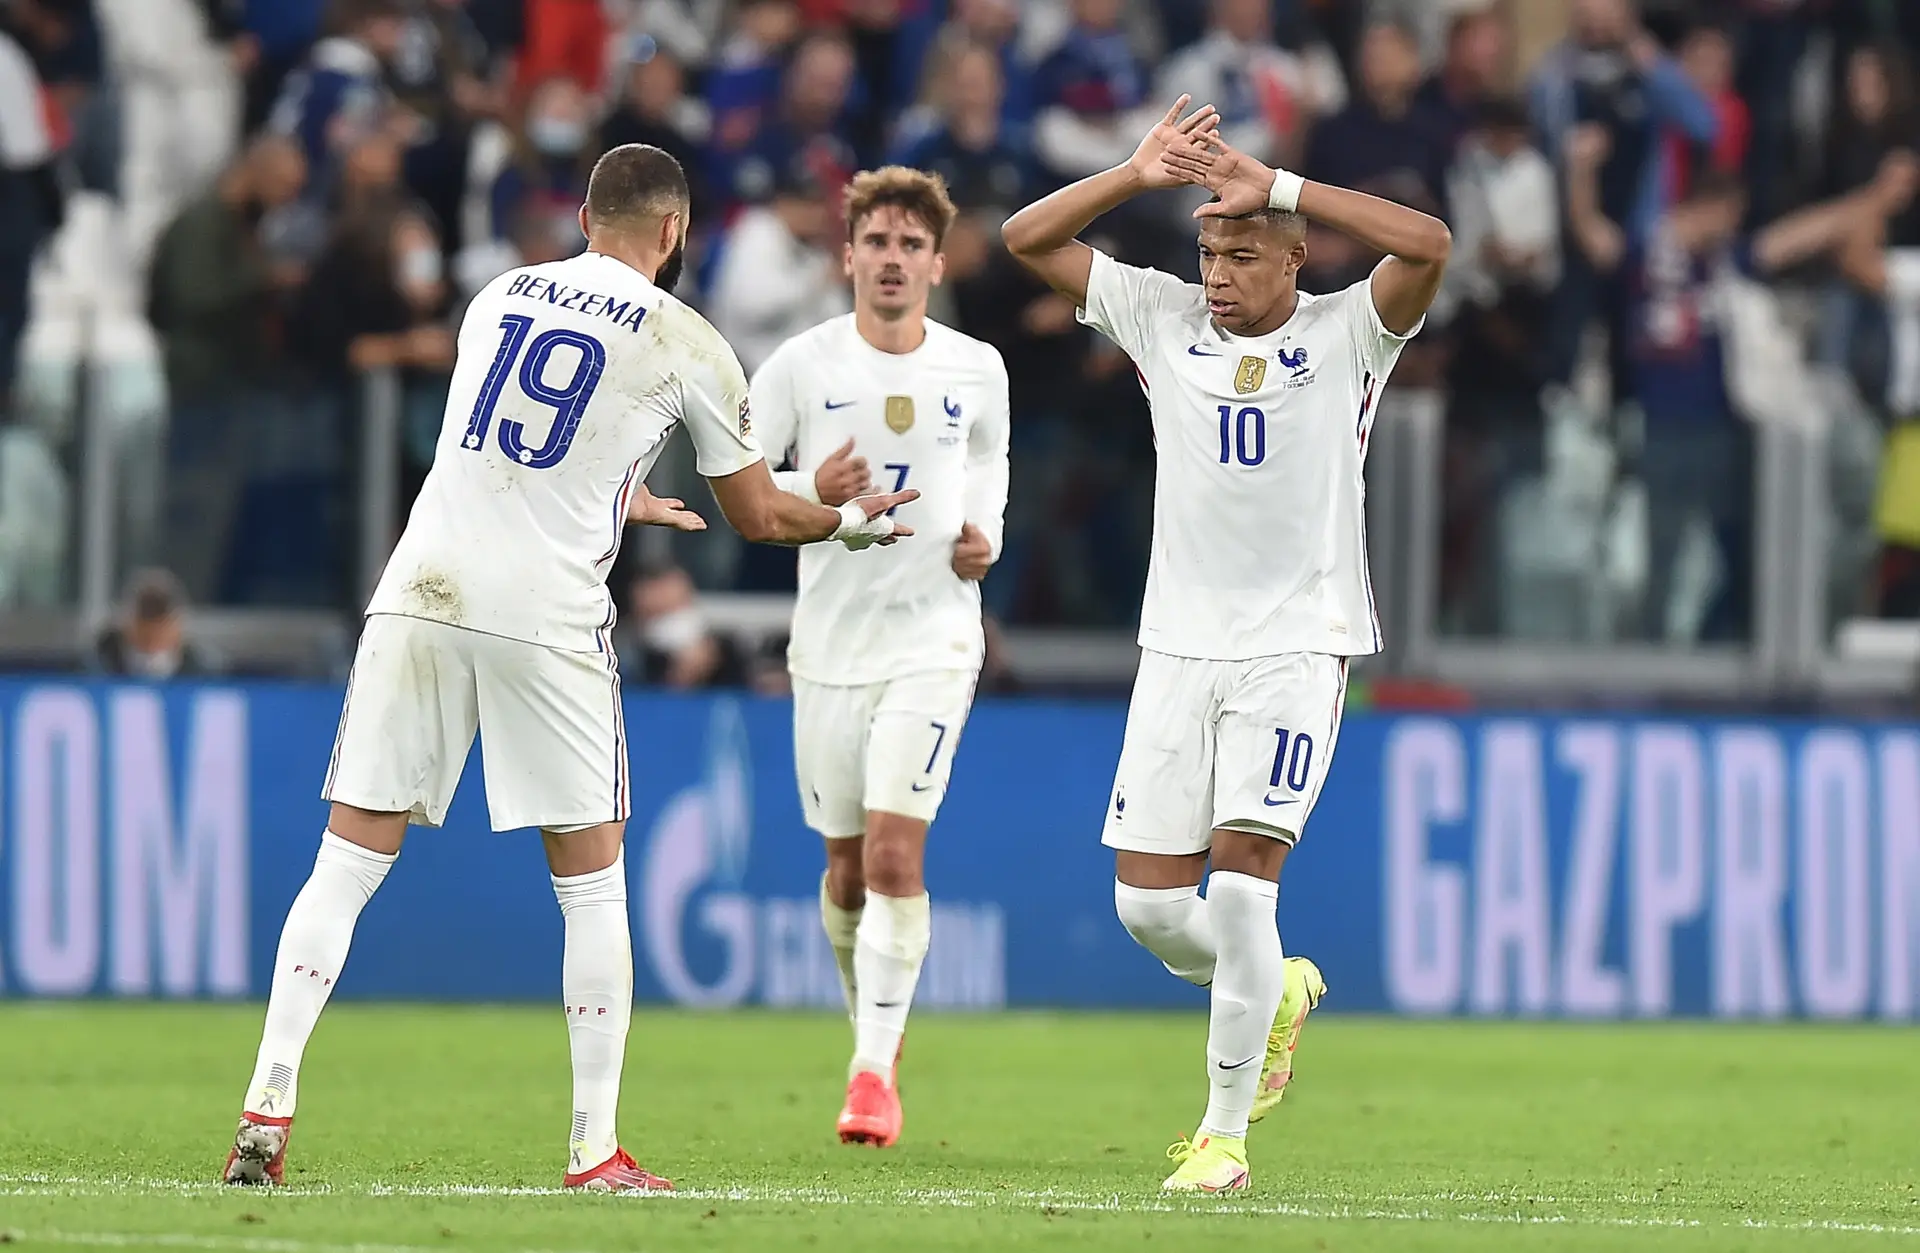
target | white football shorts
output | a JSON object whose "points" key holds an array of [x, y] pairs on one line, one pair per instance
{"points": [[553, 742], [886, 747], [1242, 745]]}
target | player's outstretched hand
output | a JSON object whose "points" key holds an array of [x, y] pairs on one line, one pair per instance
{"points": [[885, 530], [1171, 132], [842, 476], [972, 554], [1239, 183], [646, 509]]}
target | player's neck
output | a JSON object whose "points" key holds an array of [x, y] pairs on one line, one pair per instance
{"points": [[1281, 315], [897, 336], [647, 261]]}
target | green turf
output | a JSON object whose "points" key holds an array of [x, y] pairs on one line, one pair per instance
{"points": [[1022, 1131]]}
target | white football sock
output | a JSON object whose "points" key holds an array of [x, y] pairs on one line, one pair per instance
{"points": [[888, 950], [1248, 982], [596, 977], [313, 947], [842, 925], [1170, 923]]}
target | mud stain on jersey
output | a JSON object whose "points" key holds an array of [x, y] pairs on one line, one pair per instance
{"points": [[434, 595]]}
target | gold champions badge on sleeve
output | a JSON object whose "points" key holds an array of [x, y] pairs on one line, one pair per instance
{"points": [[899, 414], [1252, 373]]}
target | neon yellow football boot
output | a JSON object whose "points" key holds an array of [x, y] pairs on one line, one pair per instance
{"points": [[1209, 1164], [1304, 988]]}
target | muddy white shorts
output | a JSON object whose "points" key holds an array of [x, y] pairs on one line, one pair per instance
{"points": [[553, 743]]}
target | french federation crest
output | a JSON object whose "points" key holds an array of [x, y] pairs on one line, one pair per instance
{"points": [[1251, 374], [899, 414]]}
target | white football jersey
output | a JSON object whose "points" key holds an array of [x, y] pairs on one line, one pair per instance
{"points": [[1259, 505], [569, 380], [934, 419]]}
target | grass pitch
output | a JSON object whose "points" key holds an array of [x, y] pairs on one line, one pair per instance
{"points": [[444, 1129]]}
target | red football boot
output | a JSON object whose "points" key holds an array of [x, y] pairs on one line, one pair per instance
{"points": [[619, 1173], [872, 1112], [259, 1152]]}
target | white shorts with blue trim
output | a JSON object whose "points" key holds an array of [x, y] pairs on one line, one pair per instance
{"points": [[1240, 745], [553, 743], [884, 747]]}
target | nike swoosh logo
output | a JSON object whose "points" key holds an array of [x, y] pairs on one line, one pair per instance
{"points": [[840, 404], [1272, 803], [1238, 1065], [1194, 351], [887, 1004], [921, 787]]}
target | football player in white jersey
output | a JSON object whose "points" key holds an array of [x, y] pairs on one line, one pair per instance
{"points": [[1257, 592], [493, 613], [887, 644]]}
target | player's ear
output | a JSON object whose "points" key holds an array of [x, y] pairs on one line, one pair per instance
{"points": [[846, 259], [672, 226], [584, 232], [939, 267]]}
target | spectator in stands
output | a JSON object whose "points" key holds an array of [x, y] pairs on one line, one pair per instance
{"points": [[1696, 459], [448, 79], [1087, 91], [340, 93], [1506, 259], [30, 201], [547, 180], [63, 39], [743, 87], [1892, 276], [565, 39], [985, 164], [283, 32], [994, 24], [150, 639], [1479, 47], [213, 291], [1874, 115], [1706, 58], [779, 271], [1610, 71], [668, 641], [178, 66], [806, 137], [1379, 143], [378, 300], [1267, 96], [654, 108]]}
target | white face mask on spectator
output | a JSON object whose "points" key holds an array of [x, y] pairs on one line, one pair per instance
{"points": [[671, 632], [421, 267], [557, 136], [158, 665]]}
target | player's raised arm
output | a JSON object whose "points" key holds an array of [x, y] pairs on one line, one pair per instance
{"points": [[1042, 236], [986, 489], [1417, 244]]}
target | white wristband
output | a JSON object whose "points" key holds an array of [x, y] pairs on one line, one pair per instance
{"points": [[852, 518], [857, 530], [1285, 195]]}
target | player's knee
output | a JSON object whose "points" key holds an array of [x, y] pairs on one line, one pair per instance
{"points": [[1153, 916], [893, 859]]}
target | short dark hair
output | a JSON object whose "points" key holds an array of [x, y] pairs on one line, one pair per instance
{"points": [[919, 194], [346, 16], [153, 594], [1714, 183], [1274, 220], [635, 183]]}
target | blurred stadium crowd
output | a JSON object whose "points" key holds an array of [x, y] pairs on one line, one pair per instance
{"points": [[235, 211]]}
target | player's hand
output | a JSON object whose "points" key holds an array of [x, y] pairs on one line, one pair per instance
{"points": [[972, 554], [842, 476], [1170, 133], [646, 509], [878, 506], [1239, 183], [1894, 184]]}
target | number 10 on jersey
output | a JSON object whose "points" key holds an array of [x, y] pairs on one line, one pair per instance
{"points": [[568, 401], [1243, 435]]}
